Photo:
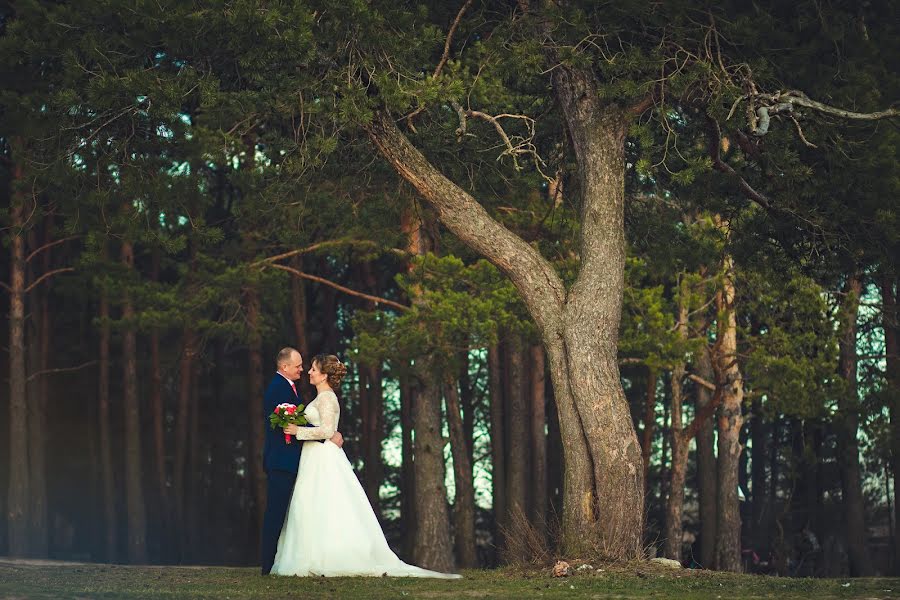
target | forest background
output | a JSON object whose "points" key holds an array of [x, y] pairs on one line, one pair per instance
{"points": [[611, 280]]}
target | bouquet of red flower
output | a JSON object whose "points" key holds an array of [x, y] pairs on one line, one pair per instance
{"points": [[287, 414]]}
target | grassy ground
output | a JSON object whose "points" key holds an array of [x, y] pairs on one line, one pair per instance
{"points": [[20, 579]]}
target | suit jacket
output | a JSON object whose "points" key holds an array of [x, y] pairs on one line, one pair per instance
{"points": [[277, 455]]}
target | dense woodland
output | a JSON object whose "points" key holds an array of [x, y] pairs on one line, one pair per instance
{"points": [[611, 280]]}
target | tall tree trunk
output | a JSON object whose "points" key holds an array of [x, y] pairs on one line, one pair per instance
{"points": [[848, 430], [407, 468], [432, 548], [110, 512], [760, 435], [498, 454], [728, 526], [372, 409], [538, 442], [37, 348], [604, 501], [255, 380], [706, 466], [158, 419], [134, 494], [464, 501], [19, 485], [298, 306], [467, 405], [680, 443], [517, 456], [649, 425], [891, 325], [182, 426]]}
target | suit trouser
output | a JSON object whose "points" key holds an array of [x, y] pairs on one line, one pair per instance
{"points": [[279, 489]]}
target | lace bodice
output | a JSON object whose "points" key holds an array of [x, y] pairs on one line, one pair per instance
{"points": [[323, 413]]}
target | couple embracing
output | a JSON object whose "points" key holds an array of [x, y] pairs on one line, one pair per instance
{"points": [[318, 520]]}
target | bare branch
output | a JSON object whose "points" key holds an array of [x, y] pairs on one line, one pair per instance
{"points": [[337, 286], [50, 245], [697, 379], [62, 369], [446, 55], [714, 135], [312, 248], [46, 275], [800, 99]]}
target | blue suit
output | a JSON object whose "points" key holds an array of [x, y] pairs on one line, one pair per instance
{"points": [[280, 461]]}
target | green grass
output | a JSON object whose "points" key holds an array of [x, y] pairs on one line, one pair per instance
{"points": [[636, 580]]}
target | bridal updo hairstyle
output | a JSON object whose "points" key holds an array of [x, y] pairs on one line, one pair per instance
{"points": [[330, 365]]}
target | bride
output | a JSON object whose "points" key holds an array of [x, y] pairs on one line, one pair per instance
{"points": [[331, 528]]}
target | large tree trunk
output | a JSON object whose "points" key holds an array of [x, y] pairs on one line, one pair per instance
{"points": [[706, 466], [604, 501], [498, 454], [728, 526], [432, 548], [891, 327], [134, 493], [847, 432], [538, 441], [104, 427], [464, 501], [18, 493]]}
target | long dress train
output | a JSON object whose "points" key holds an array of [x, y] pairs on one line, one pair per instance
{"points": [[331, 528]]}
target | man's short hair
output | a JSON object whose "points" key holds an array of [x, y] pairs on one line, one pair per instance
{"points": [[284, 355]]}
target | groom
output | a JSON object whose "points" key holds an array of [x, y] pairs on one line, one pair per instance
{"points": [[280, 460]]}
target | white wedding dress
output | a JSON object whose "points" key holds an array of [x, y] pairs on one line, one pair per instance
{"points": [[331, 528]]}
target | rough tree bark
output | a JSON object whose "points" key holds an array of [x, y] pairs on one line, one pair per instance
{"points": [[604, 501], [432, 548], [464, 500], [847, 431], [728, 525], [18, 492], [134, 493]]}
